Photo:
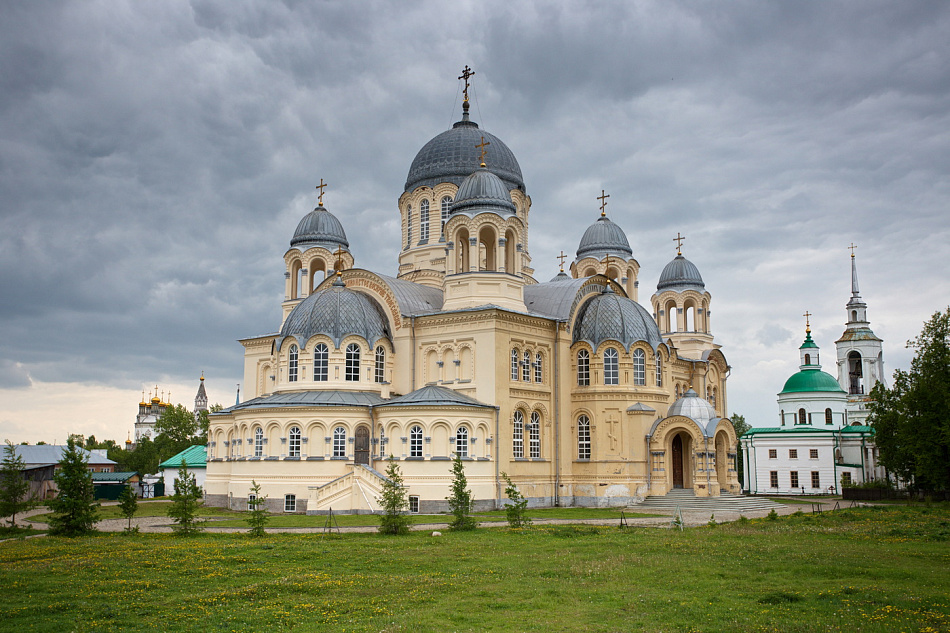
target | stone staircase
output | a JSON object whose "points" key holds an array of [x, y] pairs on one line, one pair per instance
{"points": [[687, 501], [355, 492]]}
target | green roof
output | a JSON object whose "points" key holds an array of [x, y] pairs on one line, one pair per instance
{"points": [[798, 428], [857, 428], [812, 379], [194, 456], [101, 478], [808, 342]]}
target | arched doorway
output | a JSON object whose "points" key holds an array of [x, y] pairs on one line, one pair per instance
{"points": [[361, 448], [676, 460]]}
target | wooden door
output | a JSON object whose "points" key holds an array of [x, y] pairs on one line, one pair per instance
{"points": [[362, 445], [677, 461]]}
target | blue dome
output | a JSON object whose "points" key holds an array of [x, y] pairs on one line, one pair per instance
{"points": [[320, 228], [483, 191], [452, 156], [336, 312], [610, 317], [681, 274], [603, 238]]}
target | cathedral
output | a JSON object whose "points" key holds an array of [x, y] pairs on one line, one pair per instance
{"points": [[571, 387]]}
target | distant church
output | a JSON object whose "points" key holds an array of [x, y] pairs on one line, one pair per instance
{"points": [[822, 440], [571, 387], [152, 409]]}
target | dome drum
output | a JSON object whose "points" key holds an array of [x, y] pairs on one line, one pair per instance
{"points": [[609, 316], [336, 312]]}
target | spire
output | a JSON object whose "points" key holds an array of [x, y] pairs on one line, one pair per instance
{"points": [[857, 309], [237, 398], [855, 293]]}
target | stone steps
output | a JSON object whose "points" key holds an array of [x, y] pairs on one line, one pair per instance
{"points": [[685, 500]]}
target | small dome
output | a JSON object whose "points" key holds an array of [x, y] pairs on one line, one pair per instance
{"points": [[610, 317], [452, 155], [696, 409], [336, 312], [603, 238], [681, 274], [483, 191], [561, 276], [320, 228], [811, 379]]}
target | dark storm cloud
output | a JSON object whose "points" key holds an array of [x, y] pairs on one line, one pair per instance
{"points": [[156, 157]]}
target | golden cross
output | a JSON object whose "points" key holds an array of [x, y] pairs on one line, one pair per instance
{"points": [[466, 73], [603, 203], [807, 315], [321, 186], [852, 247], [339, 260], [561, 257], [484, 152], [679, 243]]}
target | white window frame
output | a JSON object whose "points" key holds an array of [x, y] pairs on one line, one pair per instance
{"points": [[339, 442], [659, 371], [258, 442], [583, 437], [290, 503], [293, 363], [583, 368], [538, 364], [639, 367], [517, 435], [446, 209], [611, 366], [514, 363], [534, 436], [526, 367], [424, 221], [352, 368], [413, 504], [415, 441], [461, 442], [321, 362], [293, 442], [380, 369]]}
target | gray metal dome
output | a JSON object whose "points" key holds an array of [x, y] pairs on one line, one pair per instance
{"points": [[681, 274], [483, 191], [336, 312], [603, 238], [320, 228], [696, 409], [610, 317], [452, 156]]}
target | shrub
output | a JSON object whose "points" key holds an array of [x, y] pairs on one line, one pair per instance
{"points": [[460, 500], [515, 510], [395, 519], [257, 515]]}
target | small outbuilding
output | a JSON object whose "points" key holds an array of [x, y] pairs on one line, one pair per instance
{"points": [[195, 458]]}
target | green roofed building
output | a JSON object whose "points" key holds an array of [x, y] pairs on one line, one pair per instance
{"points": [[195, 458]]}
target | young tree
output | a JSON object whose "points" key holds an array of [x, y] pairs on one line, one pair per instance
{"points": [[395, 519], [185, 503], [741, 426], [14, 488], [515, 510], [910, 420], [178, 424], [257, 516], [460, 501], [75, 510], [128, 504]]}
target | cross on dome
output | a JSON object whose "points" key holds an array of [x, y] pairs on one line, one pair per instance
{"points": [[481, 146], [679, 239], [561, 257], [466, 73], [321, 187], [603, 203], [852, 248], [807, 316]]}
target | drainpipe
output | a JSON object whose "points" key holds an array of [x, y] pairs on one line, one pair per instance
{"points": [[557, 415], [706, 458], [497, 457], [412, 340], [372, 435]]}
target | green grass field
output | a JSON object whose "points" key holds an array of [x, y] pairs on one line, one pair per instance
{"points": [[871, 569]]}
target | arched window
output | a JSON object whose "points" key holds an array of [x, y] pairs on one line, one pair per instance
{"points": [[293, 445], [808, 359], [461, 442], [258, 442], [321, 355], [339, 442], [292, 369], [537, 367], [424, 221], [712, 399], [583, 437], [526, 367], [517, 435], [639, 367], [677, 391], [659, 371], [781, 417], [611, 367], [446, 206], [415, 441], [352, 373], [514, 364], [802, 417], [583, 368], [534, 436], [408, 226], [828, 419], [380, 373]]}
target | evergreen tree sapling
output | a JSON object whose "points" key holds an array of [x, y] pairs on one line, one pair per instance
{"points": [[395, 519], [460, 501], [128, 504], [257, 515], [75, 510], [186, 501], [517, 506], [15, 494]]}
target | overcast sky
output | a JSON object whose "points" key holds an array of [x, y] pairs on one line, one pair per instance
{"points": [[155, 158]]}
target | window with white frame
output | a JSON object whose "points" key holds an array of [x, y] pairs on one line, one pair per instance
{"points": [[251, 501], [258, 442], [583, 368], [415, 441], [321, 362], [352, 362], [583, 437], [409, 226], [517, 435], [293, 448], [290, 503], [659, 370], [526, 367], [828, 418], [534, 436], [611, 367], [514, 364], [414, 504], [461, 442], [446, 208], [538, 362], [292, 368], [639, 367], [380, 369], [802, 417], [424, 221], [339, 442]]}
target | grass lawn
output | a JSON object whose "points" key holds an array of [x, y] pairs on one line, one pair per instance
{"points": [[868, 569], [145, 509]]}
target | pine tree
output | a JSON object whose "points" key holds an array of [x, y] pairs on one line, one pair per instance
{"points": [[461, 501], [515, 511], [395, 519], [75, 510], [14, 489], [128, 504], [185, 503], [257, 515]]}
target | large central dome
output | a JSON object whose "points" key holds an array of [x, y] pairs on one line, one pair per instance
{"points": [[452, 155]]}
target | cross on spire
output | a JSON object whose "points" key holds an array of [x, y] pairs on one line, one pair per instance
{"points": [[481, 146], [561, 257], [851, 248], [807, 316], [679, 239], [320, 188], [603, 203], [466, 73]]}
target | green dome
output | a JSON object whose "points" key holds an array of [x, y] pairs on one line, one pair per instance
{"points": [[811, 380]]}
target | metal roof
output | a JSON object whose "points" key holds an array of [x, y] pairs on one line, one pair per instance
{"points": [[195, 456], [327, 398], [811, 379], [639, 406], [482, 191], [320, 228], [798, 428], [858, 334], [336, 312], [603, 238], [52, 453], [434, 395], [610, 317], [553, 299], [697, 409], [680, 274], [122, 477], [413, 299]]}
